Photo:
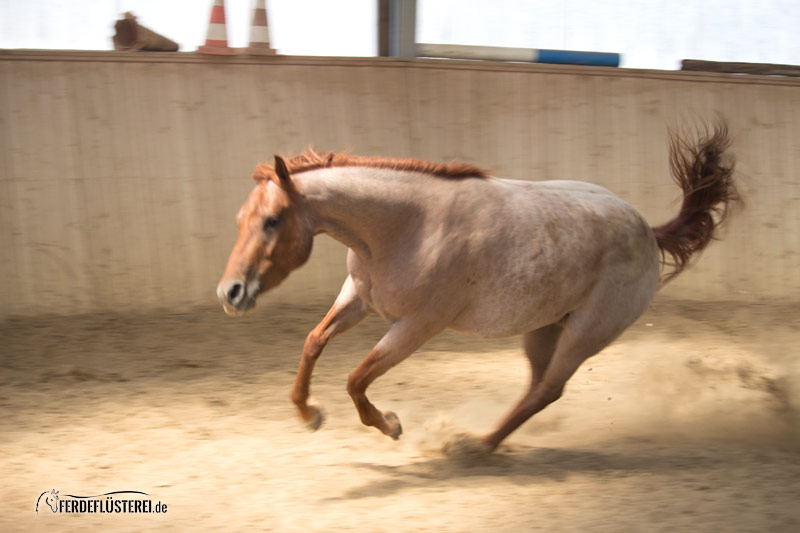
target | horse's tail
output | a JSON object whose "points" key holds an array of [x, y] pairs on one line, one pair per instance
{"points": [[705, 175]]}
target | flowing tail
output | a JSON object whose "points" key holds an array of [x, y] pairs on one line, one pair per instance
{"points": [[705, 175]]}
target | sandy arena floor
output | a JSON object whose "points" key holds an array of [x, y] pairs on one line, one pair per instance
{"points": [[690, 422]]}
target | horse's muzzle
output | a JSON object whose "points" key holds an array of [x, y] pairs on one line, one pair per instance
{"points": [[236, 296]]}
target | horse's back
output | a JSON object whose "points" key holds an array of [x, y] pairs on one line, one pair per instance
{"points": [[562, 197]]}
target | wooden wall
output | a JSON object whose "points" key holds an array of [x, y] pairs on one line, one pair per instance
{"points": [[120, 173]]}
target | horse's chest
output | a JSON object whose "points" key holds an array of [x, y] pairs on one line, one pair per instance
{"points": [[368, 291], [389, 299], [400, 291]]}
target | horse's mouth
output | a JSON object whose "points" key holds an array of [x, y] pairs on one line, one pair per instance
{"points": [[240, 310]]}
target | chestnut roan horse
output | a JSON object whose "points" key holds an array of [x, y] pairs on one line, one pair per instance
{"points": [[566, 264]]}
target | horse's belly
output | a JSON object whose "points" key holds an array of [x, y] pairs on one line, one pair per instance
{"points": [[490, 330], [499, 316]]}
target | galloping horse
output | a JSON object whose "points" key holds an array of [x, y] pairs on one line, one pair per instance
{"points": [[434, 246]]}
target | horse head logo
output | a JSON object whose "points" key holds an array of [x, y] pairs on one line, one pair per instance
{"points": [[50, 498]]}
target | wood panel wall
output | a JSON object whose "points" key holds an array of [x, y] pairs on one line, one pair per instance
{"points": [[120, 173]]}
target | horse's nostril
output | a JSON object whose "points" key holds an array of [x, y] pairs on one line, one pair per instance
{"points": [[235, 291]]}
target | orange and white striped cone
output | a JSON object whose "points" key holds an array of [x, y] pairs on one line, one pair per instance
{"points": [[259, 31], [217, 38]]}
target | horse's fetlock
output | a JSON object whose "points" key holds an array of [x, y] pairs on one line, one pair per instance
{"points": [[297, 398], [366, 419]]}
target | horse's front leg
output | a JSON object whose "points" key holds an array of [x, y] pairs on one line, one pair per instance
{"points": [[402, 339], [347, 311]]}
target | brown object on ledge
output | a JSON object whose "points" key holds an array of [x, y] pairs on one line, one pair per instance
{"points": [[131, 36], [761, 69]]}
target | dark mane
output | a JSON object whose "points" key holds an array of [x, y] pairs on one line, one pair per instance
{"points": [[311, 160]]}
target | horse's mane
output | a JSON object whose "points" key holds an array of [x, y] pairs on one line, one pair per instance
{"points": [[311, 160]]}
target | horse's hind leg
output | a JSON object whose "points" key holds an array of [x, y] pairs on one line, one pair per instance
{"points": [[540, 345], [347, 311], [585, 332]]}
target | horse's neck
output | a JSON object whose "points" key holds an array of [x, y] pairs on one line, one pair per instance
{"points": [[358, 206]]}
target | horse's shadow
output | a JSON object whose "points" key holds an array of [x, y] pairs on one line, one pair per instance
{"points": [[526, 465]]}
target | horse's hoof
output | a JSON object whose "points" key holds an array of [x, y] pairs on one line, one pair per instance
{"points": [[466, 446], [314, 422], [393, 424]]}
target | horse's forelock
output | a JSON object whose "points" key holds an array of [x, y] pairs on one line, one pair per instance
{"points": [[265, 172]]}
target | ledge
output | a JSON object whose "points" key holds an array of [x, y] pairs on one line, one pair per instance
{"points": [[388, 62]]}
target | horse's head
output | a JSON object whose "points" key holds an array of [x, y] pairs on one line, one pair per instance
{"points": [[274, 238], [52, 500]]}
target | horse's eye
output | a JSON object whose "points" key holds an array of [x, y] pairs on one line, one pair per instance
{"points": [[271, 223]]}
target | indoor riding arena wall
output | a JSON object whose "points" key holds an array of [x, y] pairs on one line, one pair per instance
{"points": [[121, 173]]}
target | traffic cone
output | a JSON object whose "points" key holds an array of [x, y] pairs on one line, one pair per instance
{"points": [[259, 31], [217, 39]]}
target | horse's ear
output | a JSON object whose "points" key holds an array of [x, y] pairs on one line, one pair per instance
{"points": [[283, 173]]}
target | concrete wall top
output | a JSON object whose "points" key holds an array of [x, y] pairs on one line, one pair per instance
{"points": [[387, 62]]}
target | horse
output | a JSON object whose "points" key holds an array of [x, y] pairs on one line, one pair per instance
{"points": [[566, 264]]}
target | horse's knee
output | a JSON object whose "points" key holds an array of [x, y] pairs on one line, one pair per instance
{"points": [[315, 341], [355, 384]]}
